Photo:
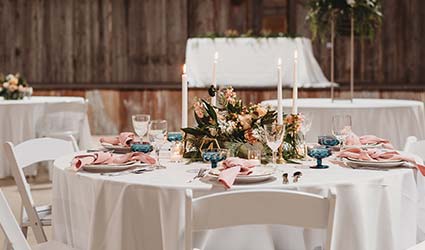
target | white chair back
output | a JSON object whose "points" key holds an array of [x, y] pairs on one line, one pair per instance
{"points": [[10, 227], [415, 147], [420, 246], [241, 208], [27, 153]]}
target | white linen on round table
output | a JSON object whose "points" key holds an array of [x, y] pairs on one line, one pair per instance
{"points": [[375, 210], [387, 118], [19, 119]]}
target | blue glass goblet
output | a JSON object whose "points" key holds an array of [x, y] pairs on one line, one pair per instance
{"points": [[214, 156], [319, 153], [175, 136], [328, 141]]}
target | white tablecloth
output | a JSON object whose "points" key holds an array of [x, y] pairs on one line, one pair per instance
{"points": [[19, 120], [387, 118], [376, 210], [252, 62]]}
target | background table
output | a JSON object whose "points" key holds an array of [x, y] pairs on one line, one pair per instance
{"points": [[19, 120], [387, 118], [252, 62], [375, 210]]}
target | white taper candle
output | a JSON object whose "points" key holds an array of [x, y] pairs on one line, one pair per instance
{"points": [[279, 92], [184, 98], [295, 87], [214, 78]]}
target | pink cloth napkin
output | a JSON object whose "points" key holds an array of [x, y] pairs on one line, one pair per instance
{"points": [[124, 138], [109, 158], [233, 167], [353, 140], [374, 154]]}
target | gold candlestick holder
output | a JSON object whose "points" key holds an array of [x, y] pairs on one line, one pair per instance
{"points": [[280, 159]]}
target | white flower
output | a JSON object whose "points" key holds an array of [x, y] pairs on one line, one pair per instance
{"points": [[6, 85], [351, 2], [10, 76], [213, 131]]}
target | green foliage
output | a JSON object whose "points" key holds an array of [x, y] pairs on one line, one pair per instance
{"points": [[367, 16]]}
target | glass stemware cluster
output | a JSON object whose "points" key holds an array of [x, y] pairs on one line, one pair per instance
{"points": [[156, 130], [341, 127], [274, 136]]}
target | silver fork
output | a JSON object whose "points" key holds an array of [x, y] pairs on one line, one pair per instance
{"points": [[201, 173]]}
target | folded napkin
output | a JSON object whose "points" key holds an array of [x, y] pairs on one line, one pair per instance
{"points": [[109, 158], [124, 139], [233, 167], [374, 154], [354, 140]]}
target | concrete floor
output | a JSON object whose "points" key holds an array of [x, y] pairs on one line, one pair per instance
{"points": [[41, 190]]}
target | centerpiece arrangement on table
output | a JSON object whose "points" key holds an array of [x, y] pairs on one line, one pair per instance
{"points": [[236, 126], [14, 87]]}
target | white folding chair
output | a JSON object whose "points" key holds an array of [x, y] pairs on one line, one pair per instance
{"points": [[415, 147], [15, 236], [24, 155], [61, 121], [237, 208]]}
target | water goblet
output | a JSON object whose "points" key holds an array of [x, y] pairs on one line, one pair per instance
{"points": [[274, 137], [214, 156], [141, 124], [341, 127], [328, 141], [319, 153], [157, 137]]}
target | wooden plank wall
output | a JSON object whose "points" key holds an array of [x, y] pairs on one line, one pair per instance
{"points": [[110, 43]]}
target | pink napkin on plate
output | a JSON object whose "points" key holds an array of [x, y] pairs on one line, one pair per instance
{"points": [[124, 139], [109, 158], [233, 167], [375, 154], [353, 140]]}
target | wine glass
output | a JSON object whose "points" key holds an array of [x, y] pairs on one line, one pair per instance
{"points": [[341, 127], [157, 137], [274, 136], [305, 128], [141, 124]]}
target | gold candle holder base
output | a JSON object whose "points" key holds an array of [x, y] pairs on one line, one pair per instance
{"points": [[280, 159]]}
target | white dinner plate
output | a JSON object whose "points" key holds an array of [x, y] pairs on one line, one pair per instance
{"points": [[364, 146], [377, 164], [103, 168], [116, 148], [259, 174]]}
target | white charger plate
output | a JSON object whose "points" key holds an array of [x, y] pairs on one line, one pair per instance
{"points": [[259, 174], [377, 164], [104, 168]]}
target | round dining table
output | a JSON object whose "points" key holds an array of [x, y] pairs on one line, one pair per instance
{"points": [[375, 209], [20, 118], [387, 118]]}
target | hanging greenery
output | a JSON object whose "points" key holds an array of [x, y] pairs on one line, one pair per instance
{"points": [[367, 16]]}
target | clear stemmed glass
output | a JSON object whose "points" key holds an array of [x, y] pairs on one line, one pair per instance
{"points": [[141, 124], [341, 127], [157, 137], [274, 136], [305, 128]]}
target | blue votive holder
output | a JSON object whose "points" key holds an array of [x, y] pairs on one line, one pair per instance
{"points": [[319, 153], [141, 147], [328, 140], [175, 136], [214, 156]]}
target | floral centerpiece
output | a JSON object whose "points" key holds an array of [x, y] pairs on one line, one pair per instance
{"points": [[231, 124], [13, 87], [293, 141]]}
